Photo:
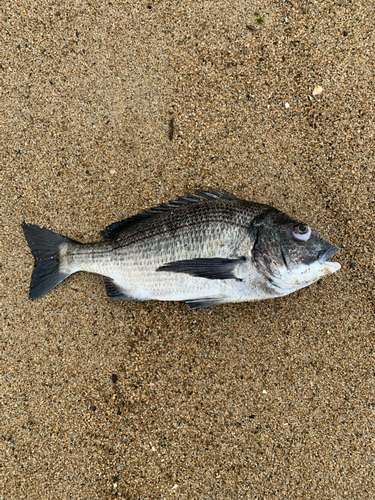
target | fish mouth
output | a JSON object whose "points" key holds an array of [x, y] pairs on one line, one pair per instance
{"points": [[325, 255]]}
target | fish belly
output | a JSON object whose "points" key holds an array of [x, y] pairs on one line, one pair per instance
{"points": [[133, 268], [144, 283]]}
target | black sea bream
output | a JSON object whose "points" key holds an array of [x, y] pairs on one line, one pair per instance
{"points": [[203, 249]]}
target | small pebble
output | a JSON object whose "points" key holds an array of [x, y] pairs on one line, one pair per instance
{"points": [[317, 90]]}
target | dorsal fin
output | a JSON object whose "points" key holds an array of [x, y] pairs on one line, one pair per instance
{"points": [[111, 231]]}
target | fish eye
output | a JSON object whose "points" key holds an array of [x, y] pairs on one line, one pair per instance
{"points": [[301, 232]]}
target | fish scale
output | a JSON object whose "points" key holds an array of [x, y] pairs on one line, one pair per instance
{"points": [[204, 249]]}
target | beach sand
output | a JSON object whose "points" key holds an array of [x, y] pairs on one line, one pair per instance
{"points": [[272, 101]]}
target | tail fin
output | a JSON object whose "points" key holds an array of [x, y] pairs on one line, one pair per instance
{"points": [[45, 246]]}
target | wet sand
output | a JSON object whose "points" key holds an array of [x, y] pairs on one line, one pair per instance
{"points": [[268, 400]]}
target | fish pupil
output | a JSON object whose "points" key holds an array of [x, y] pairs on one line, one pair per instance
{"points": [[302, 228]]}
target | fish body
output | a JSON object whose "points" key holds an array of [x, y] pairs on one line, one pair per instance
{"points": [[204, 249]]}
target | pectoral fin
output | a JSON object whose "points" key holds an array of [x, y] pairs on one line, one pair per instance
{"points": [[212, 269]]}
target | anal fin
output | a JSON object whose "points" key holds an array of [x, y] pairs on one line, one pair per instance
{"points": [[114, 292]]}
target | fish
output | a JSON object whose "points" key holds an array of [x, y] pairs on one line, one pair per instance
{"points": [[204, 249]]}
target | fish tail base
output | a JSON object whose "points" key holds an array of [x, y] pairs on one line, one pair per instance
{"points": [[47, 248]]}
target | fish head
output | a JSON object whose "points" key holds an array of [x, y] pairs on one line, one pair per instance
{"points": [[290, 253]]}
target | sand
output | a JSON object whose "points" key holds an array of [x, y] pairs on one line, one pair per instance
{"points": [[268, 400]]}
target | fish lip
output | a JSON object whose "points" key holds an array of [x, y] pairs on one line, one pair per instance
{"points": [[325, 255]]}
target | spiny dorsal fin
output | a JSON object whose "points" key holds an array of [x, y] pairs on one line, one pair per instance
{"points": [[111, 231]]}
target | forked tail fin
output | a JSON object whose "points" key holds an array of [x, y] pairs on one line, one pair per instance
{"points": [[46, 247]]}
